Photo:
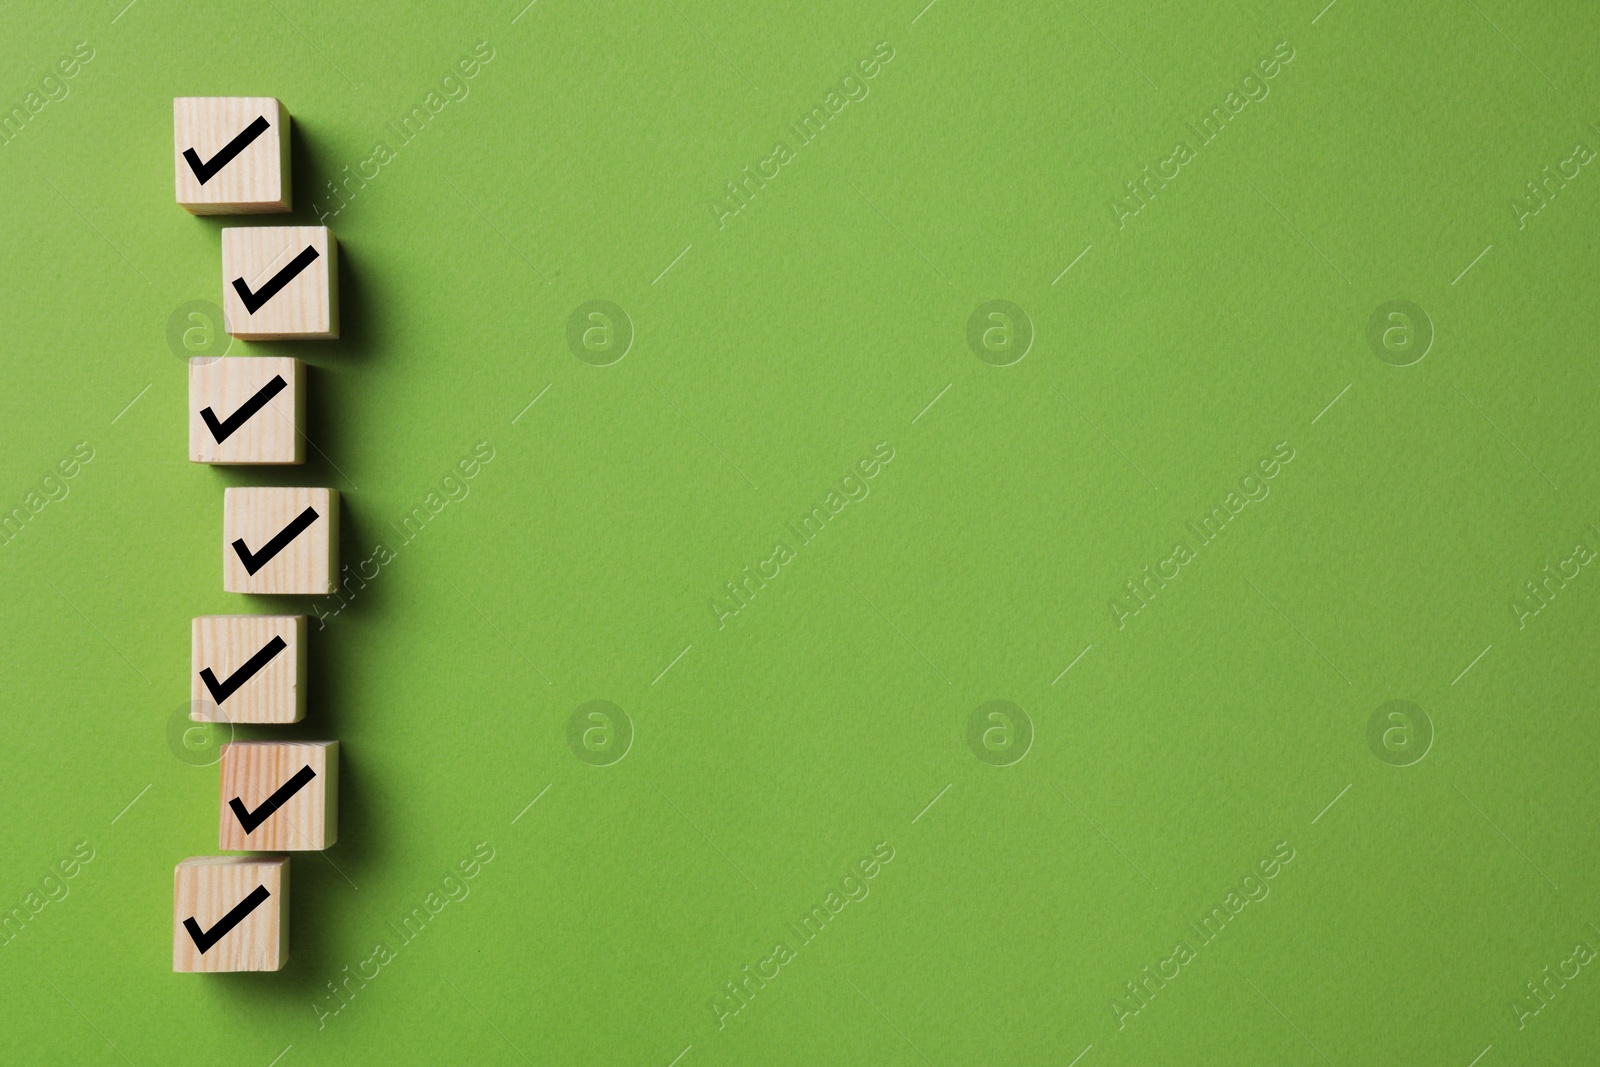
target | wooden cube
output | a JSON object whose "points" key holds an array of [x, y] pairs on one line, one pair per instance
{"points": [[246, 409], [280, 283], [232, 154], [230, 913], [279, 796], [248, 668], [280, 540]]}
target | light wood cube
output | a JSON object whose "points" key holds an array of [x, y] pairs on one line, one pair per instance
{"points": [[248, 668], [230, 913], [280, 283], [246, 409], [232, 154], [280, 540], [279, 796]]}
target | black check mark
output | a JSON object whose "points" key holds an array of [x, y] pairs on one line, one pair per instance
{"points": [[254, 561], [253, 302], [208, 170], [222, 430], [204, 939], [252, 819], [221, 691]]}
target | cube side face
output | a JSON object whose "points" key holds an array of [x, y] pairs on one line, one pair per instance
{"points": [[302, 657], [209, 890], [271, 692], [253, 773], [330, 796], [333, 285], [256, 406], [255, 518], [300, 417], [294, 295], [252, 179], [333, 541]]}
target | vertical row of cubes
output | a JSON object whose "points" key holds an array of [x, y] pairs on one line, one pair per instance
{"points": [[231, 912]]}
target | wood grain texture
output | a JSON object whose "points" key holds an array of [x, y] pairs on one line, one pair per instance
{"points": [[256, 181], [276, 693], [256, 514], [253, 770], [271, 435], [206, 888], [307, 308]]}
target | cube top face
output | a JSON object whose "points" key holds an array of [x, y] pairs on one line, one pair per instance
{"points": [[248, 668], [279, 796], [280, 540], [230, 913], [231, 154], [280, 283], [246, 409]]}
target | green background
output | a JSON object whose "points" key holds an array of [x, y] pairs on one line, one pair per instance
{"points": [[770, 355]]}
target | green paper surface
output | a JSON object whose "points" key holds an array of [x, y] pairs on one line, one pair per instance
{"points": [[1076, 546]]}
